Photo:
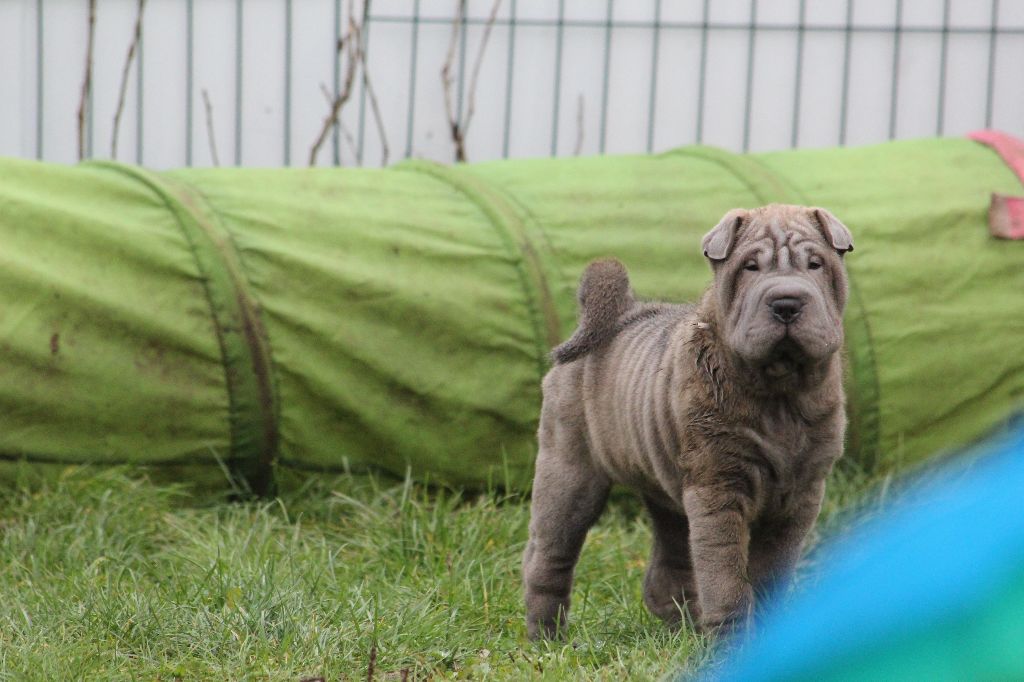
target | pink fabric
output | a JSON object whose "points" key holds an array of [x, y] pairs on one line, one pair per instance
{"points": [[1005, 213], [1007, 146], [1006, 217]]}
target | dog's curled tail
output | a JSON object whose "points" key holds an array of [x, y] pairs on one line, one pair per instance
{"points": [[604, 296]]}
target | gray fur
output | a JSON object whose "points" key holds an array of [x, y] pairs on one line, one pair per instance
{"points": [[724, 417], [604, 297], [718, 242]]}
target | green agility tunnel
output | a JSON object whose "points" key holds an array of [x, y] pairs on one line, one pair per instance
{"points": [[311, 319]]}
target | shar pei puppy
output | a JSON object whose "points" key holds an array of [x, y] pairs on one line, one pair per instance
{"points": [[725, 416]]}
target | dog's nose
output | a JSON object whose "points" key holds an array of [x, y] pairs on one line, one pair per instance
{"points": [[786, 310]]}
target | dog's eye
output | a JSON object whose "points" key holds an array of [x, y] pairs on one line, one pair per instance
{"points": [[751, 266], [814, 265]]}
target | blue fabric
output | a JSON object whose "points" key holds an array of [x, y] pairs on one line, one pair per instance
{"points": [[945, 547]]}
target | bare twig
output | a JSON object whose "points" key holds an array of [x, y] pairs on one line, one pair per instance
{"points": [[351, 47], [132, 48], [209, 127], [471, 94], [337, 102], [446, 82], [83, 101], [375, 106], [457, 121], [579, 125], [345, 132]]}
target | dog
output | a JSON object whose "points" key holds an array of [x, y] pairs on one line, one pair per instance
{"points": [[726, 417]]}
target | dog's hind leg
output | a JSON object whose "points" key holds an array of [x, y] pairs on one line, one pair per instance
{"points": [[669, 583], [569, 494]]}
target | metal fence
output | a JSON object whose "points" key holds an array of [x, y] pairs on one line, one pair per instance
{"points": [[253, 82]]}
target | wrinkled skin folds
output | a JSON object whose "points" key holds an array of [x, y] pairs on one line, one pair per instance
{"points": [[725, 416]]}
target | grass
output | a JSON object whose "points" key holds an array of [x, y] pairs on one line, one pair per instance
{"points": [[105, 575]]}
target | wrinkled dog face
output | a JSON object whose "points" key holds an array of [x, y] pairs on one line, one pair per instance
{"points": [[780, 284]]}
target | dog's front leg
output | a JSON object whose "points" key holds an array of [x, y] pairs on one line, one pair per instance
{"points": [[719, 541], [775, 547]]}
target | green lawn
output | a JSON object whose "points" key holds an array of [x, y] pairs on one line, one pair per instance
{"points": [[105, 575]]}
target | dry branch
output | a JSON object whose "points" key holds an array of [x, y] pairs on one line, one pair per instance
{"points": [[86, 94], [350, 46], [446, 82], [458, 122], [339, 99], [471, 94], [132, 49], [375, 106], [345, 132], [209, 127]]}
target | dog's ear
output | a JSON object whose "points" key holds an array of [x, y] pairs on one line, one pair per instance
{"points": [[718, 242], [835, 232]]}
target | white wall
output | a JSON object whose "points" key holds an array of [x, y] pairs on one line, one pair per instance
{"points": [[157, 129]]}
